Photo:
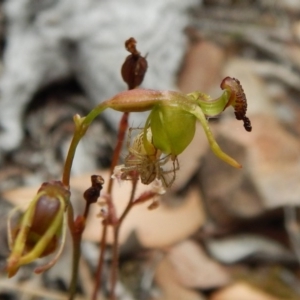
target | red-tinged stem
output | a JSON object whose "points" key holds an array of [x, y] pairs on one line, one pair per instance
{"points": [[116, 228], [111, 211], [76, 227], [100, 262], [130, 203], [116, 155]]}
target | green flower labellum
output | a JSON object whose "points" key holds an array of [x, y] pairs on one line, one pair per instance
{"points": [[172, 128]]}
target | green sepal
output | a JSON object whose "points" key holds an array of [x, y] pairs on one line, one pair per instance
{"points": [[211, 107], [172, 128]]}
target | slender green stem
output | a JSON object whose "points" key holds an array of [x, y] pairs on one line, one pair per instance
{"points": [[75, 265], [78, 228], [82, 126], [69, 160]]}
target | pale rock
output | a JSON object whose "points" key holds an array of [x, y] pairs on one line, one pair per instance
{"points": [[170, 287], [241, 290], [273, 159], [194, 268], [50, 40]]}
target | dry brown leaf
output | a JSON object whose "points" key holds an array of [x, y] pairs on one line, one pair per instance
{"points": [[156, 228], [171, 289], [202, 67], [20, 196], [229, 193], [296, 30], [273, 158], [241, 291], [194, 268], [293, 50], [255, 89], [32, 290], [161, 227]]}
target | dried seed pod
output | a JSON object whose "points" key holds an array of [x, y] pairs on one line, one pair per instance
{"points": [[92, 193], [135, 66]]}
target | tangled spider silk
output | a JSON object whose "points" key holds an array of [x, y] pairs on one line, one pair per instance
{"points": [[147, 163]]}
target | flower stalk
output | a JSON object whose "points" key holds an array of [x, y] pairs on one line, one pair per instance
{"points": [[168, 130]]}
